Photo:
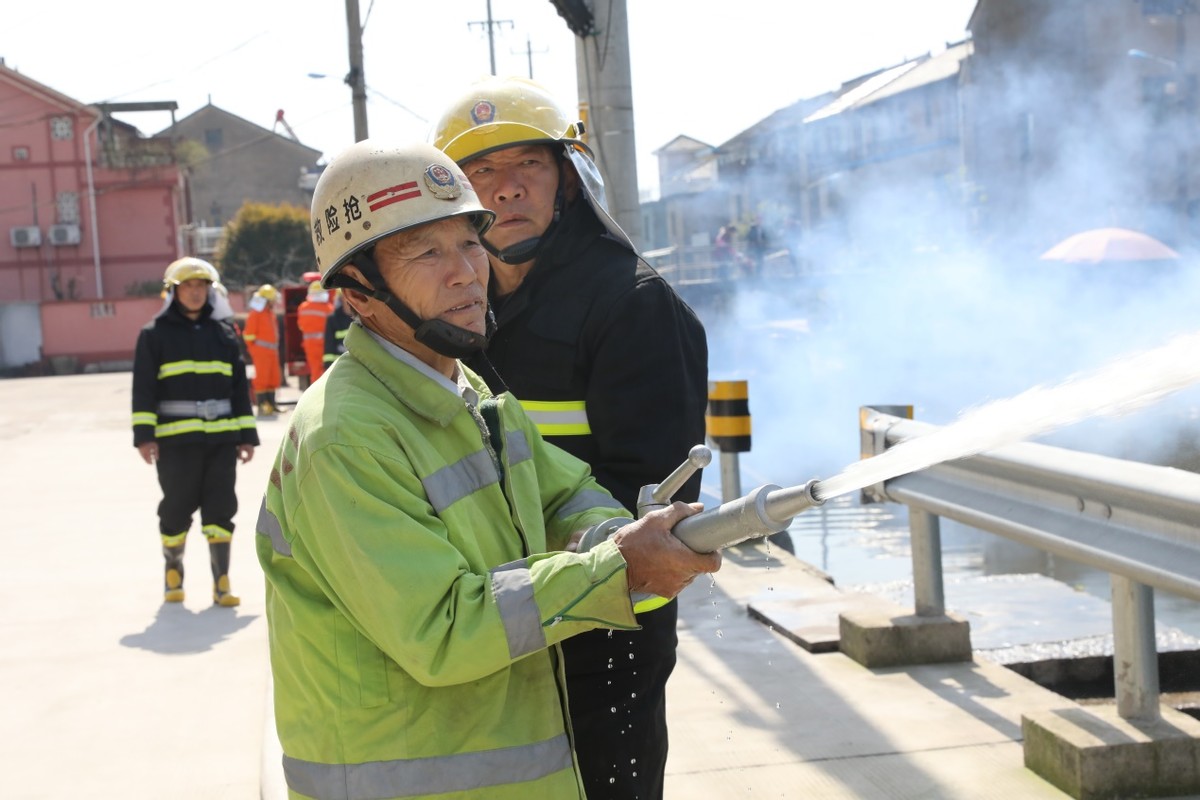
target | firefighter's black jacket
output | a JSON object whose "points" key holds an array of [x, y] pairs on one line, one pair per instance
{"points": [[336, 326], [181, 359], [591, 322]]}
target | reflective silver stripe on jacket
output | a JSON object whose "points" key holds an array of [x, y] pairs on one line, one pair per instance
{"points": [[513, 589], [204, 409], [314, 335], [454, 482], [517, 447], [416, 777], [264, 345], [589, 498], [268, 525]]}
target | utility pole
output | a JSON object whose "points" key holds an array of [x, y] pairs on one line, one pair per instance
{"points": [[605, 89], [529, 55], [491, 24], [356, 79]]}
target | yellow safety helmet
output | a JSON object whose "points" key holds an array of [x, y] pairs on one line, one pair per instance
{"points": [[187, 268], [495, 113], [315, 287], [501, 112], [371, 190], [267, 292]]}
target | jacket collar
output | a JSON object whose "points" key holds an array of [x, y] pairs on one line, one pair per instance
{"points": [[426, 397], [575, 232]]}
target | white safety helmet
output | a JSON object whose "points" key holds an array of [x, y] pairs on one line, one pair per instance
{"points": [[371, 190]]}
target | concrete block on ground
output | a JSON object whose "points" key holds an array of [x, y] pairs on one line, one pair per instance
{"points": [[1091, 752], [884, 635], [812, 621]]}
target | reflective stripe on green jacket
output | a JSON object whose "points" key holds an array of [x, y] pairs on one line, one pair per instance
{"points": [[414, 609]]}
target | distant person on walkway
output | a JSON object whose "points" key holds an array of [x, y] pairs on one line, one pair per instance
{"points": [[337, 325], [310, 318], [756, 247], [724, 250], [416, 530], [608, 360], [192, 418], [262, 340]]}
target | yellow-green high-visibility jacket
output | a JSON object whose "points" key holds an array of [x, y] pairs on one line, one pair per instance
{"points": [[413, 606]]}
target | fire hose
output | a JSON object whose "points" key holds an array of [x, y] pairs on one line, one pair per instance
{"points": [[764, 511]]}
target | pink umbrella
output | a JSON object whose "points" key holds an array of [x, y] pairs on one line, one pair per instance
{"points": [[1109, 244]]}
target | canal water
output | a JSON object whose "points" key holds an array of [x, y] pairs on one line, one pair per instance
{"points": [[944, 338]]}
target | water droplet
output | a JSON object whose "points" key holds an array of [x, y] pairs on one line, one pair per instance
{"points": [[612, 780], [613, 709], [777, 705], [631, 656], [720, 635]]}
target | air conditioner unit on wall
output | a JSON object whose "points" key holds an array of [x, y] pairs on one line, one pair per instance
{"points": [[63, 233], [25, 236]]}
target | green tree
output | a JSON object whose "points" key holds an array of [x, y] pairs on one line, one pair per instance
{"points": [[265, 244]]}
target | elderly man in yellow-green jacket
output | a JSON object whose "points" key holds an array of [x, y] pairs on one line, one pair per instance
{"points": [[418, 535]]}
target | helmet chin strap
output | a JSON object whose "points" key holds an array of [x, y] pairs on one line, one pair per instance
{"points": [[528, 249], [438, 335]]}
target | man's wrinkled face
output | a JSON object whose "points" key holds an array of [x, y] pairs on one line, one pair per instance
{"points": [[440, 271], [519, 184]]}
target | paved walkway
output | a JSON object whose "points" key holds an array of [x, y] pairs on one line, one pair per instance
{"points": [[108, 693]]}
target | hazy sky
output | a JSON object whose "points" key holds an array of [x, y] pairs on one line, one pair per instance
{"points": [[705, 69]]}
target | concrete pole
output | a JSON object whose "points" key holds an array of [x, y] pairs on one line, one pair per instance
{"points": [[602, 64], [356, 78]]}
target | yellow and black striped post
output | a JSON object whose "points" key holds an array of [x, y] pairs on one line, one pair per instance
{"points": [[728, 425]]}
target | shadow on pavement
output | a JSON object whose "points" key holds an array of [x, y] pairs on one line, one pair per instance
{"points": [[177, 630]]}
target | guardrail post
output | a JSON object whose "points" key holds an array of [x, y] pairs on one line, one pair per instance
{"points": [[925, 532], [1135, 650]]}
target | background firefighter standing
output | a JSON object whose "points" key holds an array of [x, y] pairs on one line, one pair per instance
{"points": [[262, 342], [310, 318]]}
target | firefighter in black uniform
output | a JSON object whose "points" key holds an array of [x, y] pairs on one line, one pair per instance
{"points": [[608, 361], [192, 419], [337, 325]]}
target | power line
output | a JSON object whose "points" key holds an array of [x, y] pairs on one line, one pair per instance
{"points": [[491, 25]]}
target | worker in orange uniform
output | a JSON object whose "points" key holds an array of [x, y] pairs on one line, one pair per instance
{"points": [[310, 317], [262, 340]]}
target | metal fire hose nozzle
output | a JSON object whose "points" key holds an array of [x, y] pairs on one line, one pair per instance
{"points": [[659, 495], [766, 510]]}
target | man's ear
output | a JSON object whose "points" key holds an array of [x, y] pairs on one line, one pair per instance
{"points": [[361, 303], [570, 180]]}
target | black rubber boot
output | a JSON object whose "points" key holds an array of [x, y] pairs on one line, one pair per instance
{"points": [[173, 579], [218, 553]]}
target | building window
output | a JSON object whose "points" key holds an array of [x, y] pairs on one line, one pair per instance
{"points": [[213, 139], [20, 153], [62, 128], [67, 205]]}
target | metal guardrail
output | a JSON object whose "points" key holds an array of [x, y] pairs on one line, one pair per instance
{"points": [[1138, 522], [682, 266]]}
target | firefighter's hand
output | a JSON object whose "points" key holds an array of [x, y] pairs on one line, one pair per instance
{"points": [[658, 563], [148, 451], [245, 452]]}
